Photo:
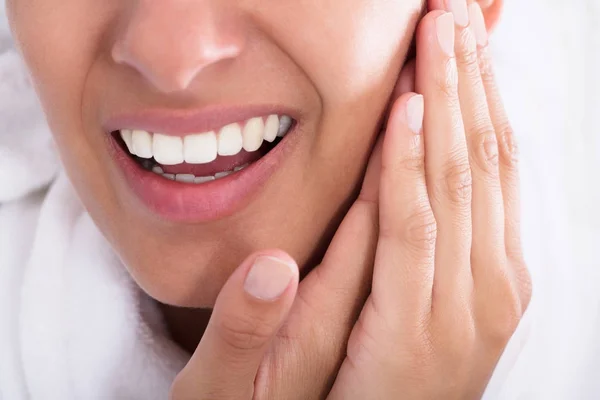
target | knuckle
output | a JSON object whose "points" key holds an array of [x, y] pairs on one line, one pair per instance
{"points": [[484, 145], [509, 150], [456, 182], [468, 56], [244, 333], [486, 66], [421, 229], [447, 79], [414, 161]]}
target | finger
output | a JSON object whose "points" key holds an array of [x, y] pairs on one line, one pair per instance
{"points": [[404, 84], [447, 166], [331, 296], [508, 160], [247, 315], [488, 258], [403, 276]]}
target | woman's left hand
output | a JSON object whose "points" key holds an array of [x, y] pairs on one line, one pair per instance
{"points": [[450, 284]]}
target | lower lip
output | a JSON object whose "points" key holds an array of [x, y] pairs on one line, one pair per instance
{"points": [[194, 203]]}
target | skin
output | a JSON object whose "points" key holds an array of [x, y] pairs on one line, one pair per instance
{"points": [[270, 52], [416, 224]]}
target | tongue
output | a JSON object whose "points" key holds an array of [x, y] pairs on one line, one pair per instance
{"points": [[221, 164]]}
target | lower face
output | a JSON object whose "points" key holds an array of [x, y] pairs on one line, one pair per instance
{"points": [[190, 163]]}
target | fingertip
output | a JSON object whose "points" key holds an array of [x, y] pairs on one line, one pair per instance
{"points": [[408, 111], [428, 21], [415, 111], [270, 275], [428, 33]]}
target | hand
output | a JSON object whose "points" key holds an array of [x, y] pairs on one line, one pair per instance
{"points": [[450, 284], [270, 338]]}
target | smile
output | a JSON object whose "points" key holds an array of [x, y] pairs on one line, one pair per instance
{"points": [[188, 159], [187, 176]]}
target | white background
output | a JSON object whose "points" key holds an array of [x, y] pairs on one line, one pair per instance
{"points": [[548, 62]]}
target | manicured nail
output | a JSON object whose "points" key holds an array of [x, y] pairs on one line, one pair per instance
{"points": [[478, 24], [268, 278], [415, 110], [445, 33], [460, 11]]}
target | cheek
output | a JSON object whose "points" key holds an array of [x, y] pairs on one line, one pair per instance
{"points": [[59, 40], [354, 49]]}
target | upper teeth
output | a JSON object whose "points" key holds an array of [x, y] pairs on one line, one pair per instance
{"points": [[202, 148]]}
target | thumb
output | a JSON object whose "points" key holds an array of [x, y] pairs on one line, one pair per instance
{"points": [[248, 313]]}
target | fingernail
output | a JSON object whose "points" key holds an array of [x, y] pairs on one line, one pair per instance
{"points": [[268, 278], [415, 109], [478, 24], [460, 11], [444, 25]]}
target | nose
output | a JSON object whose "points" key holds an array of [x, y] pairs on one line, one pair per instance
{"points": [[170, 42]]}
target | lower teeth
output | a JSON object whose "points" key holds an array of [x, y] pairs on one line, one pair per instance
{"points": [[188, 178]]}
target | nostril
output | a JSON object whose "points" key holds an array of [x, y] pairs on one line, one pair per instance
{"points": [[174, 68]]}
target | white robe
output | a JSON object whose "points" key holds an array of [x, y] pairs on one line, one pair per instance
{"points": [[73, 325]]}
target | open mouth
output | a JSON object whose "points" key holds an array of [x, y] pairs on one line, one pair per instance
{"points": [[200, 158]]}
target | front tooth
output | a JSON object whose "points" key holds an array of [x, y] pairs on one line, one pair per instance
{"points": [[204, 179], [170, 177], [126, 136], [141, 141], [220, 175], [271, 128], [185, 178], [253, 134], [168, 150], [230, 141], [284, 125], [200, 148]]}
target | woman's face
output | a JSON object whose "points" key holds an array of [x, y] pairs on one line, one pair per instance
{"points": [[175, 71]]}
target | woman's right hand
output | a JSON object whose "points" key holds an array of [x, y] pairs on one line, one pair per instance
{"points": [[269, 338], [272, 338]]}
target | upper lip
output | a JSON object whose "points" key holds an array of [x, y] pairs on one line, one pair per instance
{"points": [[184, 122]]}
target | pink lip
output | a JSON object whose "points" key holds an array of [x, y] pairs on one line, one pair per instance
{"points": [[191, 203], [185, 122]]}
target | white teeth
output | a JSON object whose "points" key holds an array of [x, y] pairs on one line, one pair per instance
{"points": [[253, 134], [200, 148], [284, 126], [204, 148], [271, 128], [126, 136], [185, 178], [223, 174], [167, 150], [189, 178], [141, 141], [230, 140], [204, 179]]}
